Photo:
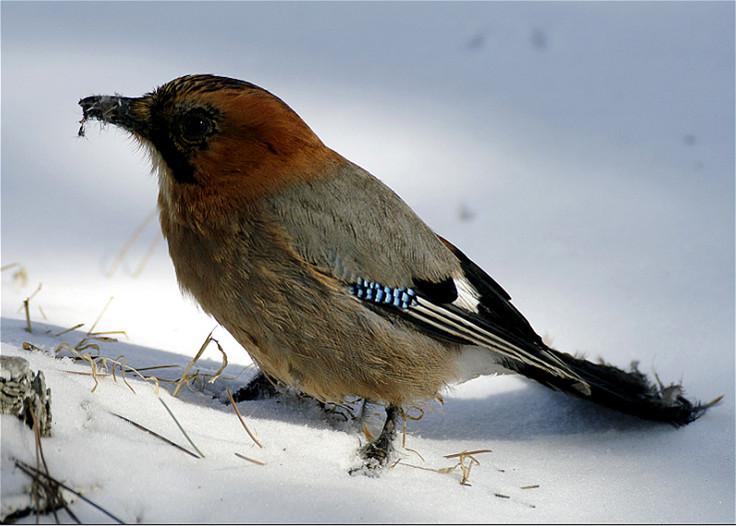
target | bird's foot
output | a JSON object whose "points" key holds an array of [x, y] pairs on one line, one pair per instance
{"points": [[377, 454]]}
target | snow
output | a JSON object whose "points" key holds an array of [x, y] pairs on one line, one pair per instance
{"points": [[581, 153]]}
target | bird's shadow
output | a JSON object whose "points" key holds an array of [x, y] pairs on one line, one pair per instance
{"points": [[522, 413]]}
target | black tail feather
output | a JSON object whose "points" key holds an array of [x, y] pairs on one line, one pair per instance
{"points": [[630, 392]]}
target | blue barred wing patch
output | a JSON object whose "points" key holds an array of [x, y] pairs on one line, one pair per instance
{"points": [[373, 292]]}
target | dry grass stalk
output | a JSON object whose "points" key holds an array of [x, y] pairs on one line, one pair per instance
{"points": [[406, 415], [224, 360], [185, 376], [158, 367], [100, 316], [148, 255], [342, 409], [100, 335], [122, 371], [119, 258], [38, 289], [250, 459], [98, 362], [153, 433], [466, 453], [29, 298], [78, 325], [20, 277], [104, 375], [415, 452], [54, 498], [464, 468], [82, 373], [196, 383], [435, 470], [45, 486], [25, 307], [191, 442], [235, 407], [84, 356], [50, 480], [28, 316]]}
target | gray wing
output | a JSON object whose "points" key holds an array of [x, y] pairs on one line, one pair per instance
{"points": [[355, 228]]}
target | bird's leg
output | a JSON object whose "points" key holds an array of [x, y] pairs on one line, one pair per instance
{"points": [[259, 388], [376, 453]]}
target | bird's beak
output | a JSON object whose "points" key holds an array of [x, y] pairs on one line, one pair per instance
{"points": [[120, 111]]}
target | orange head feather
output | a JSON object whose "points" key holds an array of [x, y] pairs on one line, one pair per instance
{"points": [[217, 143]]}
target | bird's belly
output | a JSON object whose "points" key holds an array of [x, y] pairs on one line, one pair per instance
{"points": [[305, 329], [473, 361]]}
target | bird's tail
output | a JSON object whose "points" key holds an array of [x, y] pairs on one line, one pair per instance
{"points": [[630, 392]]}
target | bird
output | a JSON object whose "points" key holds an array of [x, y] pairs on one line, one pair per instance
{"points": [[325, 276]]}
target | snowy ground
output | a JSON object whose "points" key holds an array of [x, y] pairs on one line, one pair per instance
{"points": [[581, 153]]}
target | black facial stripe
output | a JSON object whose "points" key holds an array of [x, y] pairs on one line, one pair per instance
{"points": [[179, 133], [177, 161]]}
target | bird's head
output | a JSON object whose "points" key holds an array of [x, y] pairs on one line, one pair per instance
{"points": [[216, 142]]}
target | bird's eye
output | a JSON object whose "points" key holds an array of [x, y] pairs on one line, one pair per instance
{"points": [[195, 126]]}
